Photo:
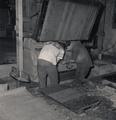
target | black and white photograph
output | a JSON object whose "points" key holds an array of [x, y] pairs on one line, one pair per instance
{"points": [[57, 59]]}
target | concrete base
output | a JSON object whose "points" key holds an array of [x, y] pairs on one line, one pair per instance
{"points": [[101, 68]]}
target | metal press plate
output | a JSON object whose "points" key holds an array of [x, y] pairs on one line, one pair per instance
{"points": [[66, 20]]}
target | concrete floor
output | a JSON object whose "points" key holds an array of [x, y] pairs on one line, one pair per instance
{"points": [[19, 104], [69, 101]]}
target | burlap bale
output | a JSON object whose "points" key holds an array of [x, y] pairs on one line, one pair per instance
{"points": [[31, 52]]}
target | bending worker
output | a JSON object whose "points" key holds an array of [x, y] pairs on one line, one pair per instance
{"points": [[50, 55]]}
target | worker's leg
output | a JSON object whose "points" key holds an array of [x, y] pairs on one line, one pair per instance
{"points": [[53, 75], [42, 74]]}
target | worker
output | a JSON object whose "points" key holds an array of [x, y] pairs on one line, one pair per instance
{"points": [[83, 61], [50, 55]]}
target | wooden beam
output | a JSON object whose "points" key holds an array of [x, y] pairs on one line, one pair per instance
{"points": [[19, 24]]}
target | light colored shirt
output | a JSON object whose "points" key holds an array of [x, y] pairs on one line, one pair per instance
{"points": [[51, 53]]}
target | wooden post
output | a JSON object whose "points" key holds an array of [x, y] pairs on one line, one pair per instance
{"points": [[101, 32], [19, 30]]}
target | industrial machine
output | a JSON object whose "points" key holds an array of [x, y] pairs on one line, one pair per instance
{"points": [[61, 20]]}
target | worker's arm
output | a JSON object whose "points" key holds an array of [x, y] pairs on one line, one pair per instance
{"points": [[60, 55]]}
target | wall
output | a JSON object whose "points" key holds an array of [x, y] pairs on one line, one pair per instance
{"points": [[5, 70], [113, 42], [110, 33], [3, 22], [30, 11]]}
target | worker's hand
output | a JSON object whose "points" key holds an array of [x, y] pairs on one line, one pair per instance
{"points": [[71, 65], [66, 62], [63, 62], [72, 61]]}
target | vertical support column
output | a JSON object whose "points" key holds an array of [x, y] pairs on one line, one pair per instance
{"points": [[101, 31], [28, 11], [108, 42], [19, 31], [28, 8], [105, 31]]}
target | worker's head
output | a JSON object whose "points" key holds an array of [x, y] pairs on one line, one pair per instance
{"points": [[64, 44]]}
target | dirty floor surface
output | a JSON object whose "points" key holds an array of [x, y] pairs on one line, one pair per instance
{"points": [[87, 104]]}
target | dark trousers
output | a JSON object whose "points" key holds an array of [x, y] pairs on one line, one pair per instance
{"points": [[46, 69]]}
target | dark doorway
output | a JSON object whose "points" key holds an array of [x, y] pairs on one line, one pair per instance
{"points": [[7, 32]]}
